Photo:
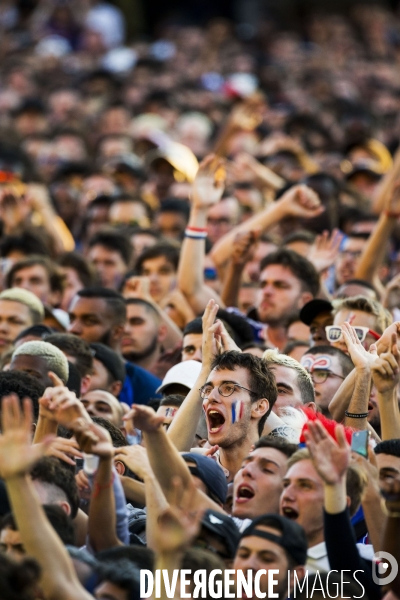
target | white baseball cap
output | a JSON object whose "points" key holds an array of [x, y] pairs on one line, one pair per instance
{"points": [[185, 373]]}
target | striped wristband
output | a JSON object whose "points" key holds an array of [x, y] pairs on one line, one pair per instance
{"points": [[196, 233]]}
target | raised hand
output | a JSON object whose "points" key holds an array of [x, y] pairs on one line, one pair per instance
{"points": [[64, 449], [385, 369], [227, 343], [178, 525], [208, 185], [61, 405], [137, 287], [362, 359], [135, 458], [17, 455], [330, 458], [93, 439], [211, 344], [300, 201], [144, 418], [385, 341], [243, 247], [325, 249]]}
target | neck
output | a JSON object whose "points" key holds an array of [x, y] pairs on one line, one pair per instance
{"points": [[277, 336], [233, 456], [146, 362]]}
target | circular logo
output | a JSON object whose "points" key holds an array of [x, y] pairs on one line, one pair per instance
{"points": [[384, 568]]}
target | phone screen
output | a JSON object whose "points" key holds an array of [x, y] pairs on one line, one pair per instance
{"points": [[359, 442]]}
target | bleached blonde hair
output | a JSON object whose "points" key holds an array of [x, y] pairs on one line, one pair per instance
{"points": [[27, 298], [56, 360], [275, 357]]}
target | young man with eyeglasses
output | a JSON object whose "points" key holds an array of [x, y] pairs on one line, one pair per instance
{"points": [[238, 396], [368, 317], [328, 368]]}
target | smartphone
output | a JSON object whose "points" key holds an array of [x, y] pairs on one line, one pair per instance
{"points": [[359, 442]]}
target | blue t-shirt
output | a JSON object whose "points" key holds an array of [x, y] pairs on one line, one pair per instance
{"points": [[139, 385]]}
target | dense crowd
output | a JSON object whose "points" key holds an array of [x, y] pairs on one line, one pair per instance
{"points": [[199, 304]]}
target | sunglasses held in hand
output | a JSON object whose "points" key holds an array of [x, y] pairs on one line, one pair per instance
{"points": [[334, 333]]}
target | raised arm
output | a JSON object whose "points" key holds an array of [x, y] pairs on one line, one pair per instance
{"points": [[243, 246], [386, 185], [59, 580], [207, 191], [102, 524], [362, 361], [377, 245], [331, 460], [183, 428], [165, 460], [299, 201], [385, 375]]}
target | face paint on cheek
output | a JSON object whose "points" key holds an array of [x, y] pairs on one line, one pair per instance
{"points": [[170, 412], [237, 411]]}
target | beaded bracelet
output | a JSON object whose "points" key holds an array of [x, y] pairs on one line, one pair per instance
{"points": [[356, 415]]}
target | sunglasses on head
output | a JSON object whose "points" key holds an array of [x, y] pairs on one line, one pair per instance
{"points": [[334, 333]]}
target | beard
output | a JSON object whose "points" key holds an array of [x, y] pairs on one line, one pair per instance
{"points": [[133, 356]]}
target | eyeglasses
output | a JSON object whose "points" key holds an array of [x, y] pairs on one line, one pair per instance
{"points": [[350, 254], [225, 389], [320, 376], [334, 333]]}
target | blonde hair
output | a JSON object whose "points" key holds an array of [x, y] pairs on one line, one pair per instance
{"points": [[367, 305], [27, 298], [56, 360], [306, 386]]}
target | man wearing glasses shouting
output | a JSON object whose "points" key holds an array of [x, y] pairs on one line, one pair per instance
{"points": [[237, 398], [328, 367]]}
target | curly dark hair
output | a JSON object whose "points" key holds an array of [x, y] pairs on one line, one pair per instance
{"points": [[18, 580], [24, 386]]}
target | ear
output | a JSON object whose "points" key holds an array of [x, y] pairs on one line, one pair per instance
{"points": [[55, 298], [116, 387], [162, 333], [304, 298], [312, 406], [300, 572], [65, 506], [123, 430], [259, 408], [119, 467], [85, 384], [348, 501], [117, 332]]}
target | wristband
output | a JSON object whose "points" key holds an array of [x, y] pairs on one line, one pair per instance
{"points": [[356, 415], [391, 215], [98, 487], [195, 234]]}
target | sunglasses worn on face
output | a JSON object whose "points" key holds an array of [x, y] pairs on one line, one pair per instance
{"points": [[334, 333]]}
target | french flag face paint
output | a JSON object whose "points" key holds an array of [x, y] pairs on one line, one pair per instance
{"points": [[237, 411]]}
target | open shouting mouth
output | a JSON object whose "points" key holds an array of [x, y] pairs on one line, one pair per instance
{"points": [[215, 420]]}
